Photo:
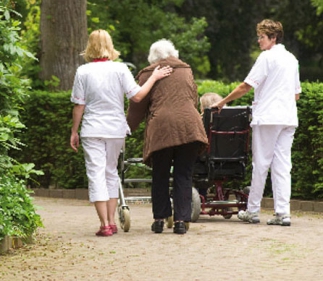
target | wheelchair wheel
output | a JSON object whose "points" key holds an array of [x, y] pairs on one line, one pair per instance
{"points": [[196, 205], [124, 218]]}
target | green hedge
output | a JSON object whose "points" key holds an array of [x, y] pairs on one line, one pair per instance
{"points": [[307, 172], [48, 117]]}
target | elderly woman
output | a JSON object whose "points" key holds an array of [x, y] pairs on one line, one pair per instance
{"points": [[174, 134], [98, 96]]}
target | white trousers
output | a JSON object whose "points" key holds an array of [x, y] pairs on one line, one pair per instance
{"points": [[271, 149], [101, 161]]}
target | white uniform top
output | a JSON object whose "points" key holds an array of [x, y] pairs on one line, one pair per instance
{"points": [[275, 78], [101, 86]]}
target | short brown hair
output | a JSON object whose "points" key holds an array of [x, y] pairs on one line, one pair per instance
{"points": [[272, 29], [100, 45]]}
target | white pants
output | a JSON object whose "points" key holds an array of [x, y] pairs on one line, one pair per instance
{"points": [[271, 149], [101, 161]]}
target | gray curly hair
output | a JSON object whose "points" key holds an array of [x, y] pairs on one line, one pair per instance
{"points": [[161, 49]]}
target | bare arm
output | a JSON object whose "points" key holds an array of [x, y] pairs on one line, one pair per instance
{"points": [[157, 74], [77, 117], [238, 92], [296, 96]]}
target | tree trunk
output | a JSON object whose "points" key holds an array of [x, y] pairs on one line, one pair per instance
{"points": [[63, 26]]}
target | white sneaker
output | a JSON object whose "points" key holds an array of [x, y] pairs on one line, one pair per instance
{"points": [[283, 220], [249, 217]]}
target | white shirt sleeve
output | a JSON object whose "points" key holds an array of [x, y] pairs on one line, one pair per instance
{"points": [[258, 72], [130, 87], [78, 93]]}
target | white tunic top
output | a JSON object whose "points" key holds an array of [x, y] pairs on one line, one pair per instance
{"points": [[101, 87], [275, 78]]}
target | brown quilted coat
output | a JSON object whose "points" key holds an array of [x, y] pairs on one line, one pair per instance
{"points": [[170, 109]]}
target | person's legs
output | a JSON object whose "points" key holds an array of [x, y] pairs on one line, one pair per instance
{"points": [[94, 154], [263, 144], [95, 162], [111, 209], [161, 204], [184, 160], [113, 148], [162, 163], [281, 177], [101, 209]]}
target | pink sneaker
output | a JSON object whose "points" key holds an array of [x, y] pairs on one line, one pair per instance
{"points": [[114, 228], [105, 231]]}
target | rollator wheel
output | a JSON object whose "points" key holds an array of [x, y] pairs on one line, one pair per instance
{"points": [[124, 218], [196, 205], [170, 222]]}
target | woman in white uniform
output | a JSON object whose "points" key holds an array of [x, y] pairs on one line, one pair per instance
{"points": [[98, 94], [275, 78]]}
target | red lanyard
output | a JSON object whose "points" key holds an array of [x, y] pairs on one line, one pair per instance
{"points": [[100, 59]]}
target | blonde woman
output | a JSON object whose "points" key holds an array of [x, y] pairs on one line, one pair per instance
{"points": [[98, 94]]}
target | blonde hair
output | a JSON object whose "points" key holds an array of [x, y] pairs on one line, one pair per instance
{"points": [[272, 29], [161, 49], [99, 46], [208, 99]]}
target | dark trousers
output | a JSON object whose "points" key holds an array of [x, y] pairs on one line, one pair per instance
{"points": [[182, 158]]}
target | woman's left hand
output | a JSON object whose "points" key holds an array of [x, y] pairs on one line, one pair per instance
{"points": [[163, 72]]}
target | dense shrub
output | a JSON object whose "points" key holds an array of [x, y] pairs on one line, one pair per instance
{"points": [[48, 119], [307, 172], [18, 214]]}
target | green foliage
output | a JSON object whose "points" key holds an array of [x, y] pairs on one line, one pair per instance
{"points": [[307, 172], [30, 35], [48, 118], [135, 25], [216, 38], [18, 215], [319, 6], [12, 87], [188, 38], [223, 89], [302, 35]]}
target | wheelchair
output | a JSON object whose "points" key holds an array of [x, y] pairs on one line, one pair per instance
{"points": [[226, 158]]}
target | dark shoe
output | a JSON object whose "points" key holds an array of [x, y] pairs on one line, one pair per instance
{"points": [[180, 227], [157, 226]]}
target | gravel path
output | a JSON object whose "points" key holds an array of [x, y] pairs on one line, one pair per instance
{"points": [[213, 249]]}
